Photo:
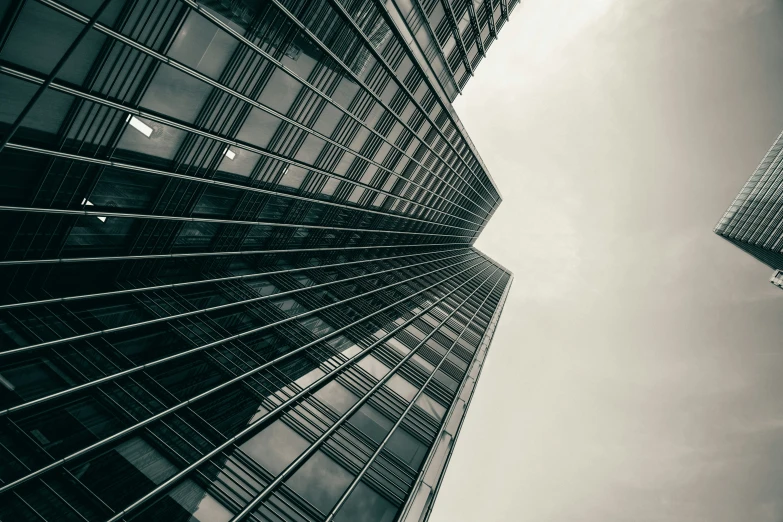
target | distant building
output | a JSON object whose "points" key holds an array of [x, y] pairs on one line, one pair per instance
{"points": [[777, 278], [754, 221], [237, 274]]}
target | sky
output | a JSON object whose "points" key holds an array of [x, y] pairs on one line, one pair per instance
{"points": [[635, 373]]}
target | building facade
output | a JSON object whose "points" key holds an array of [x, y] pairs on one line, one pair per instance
{"points": [[236, 255], [754, 221]]}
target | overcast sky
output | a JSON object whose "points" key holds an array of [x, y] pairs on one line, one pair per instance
{"points": [[637, 372]]}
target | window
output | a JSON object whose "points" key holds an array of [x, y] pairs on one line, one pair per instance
{"points": [[310, 377], [407, 448], [259, 127], [33, 379], [201, 45], [280, 91], [337, 396], [431, 407], [190, 497], [120, 476], [365, 505], [275, 447], [423, 362], [320, 481], [345, 346], [403, 388], [398, 346], [371, 422], [65, 429], [374, 367], [176, 93]]}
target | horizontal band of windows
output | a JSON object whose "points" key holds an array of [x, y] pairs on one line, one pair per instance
{"points": [[56, 86]]}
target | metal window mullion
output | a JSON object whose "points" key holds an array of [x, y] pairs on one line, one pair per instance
{"points": [[476, 29], [272, 413], [214, 254], [89, 24], [316, 445], [31, 508], [197, 7], [452, 21], [465, 140], [235, 484], [193, 73], [416, 4], [504, 9], [748, 224], [56, 494], [399, 422], [76, 92], [337, 7], [128, 215], [134, 290], [428, 458], [231, 381], [142, 424], [9, 21], [380, 8], [107, 331], [749, 185], [459, 428], [490, 19], [751, 202]]}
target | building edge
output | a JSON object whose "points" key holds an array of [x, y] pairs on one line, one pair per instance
{"points": [[750, 182], [418, 507]]}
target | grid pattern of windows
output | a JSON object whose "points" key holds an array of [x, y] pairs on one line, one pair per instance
{"points": [[454, 35], [309, 392], [754, 221], [236, 262]]}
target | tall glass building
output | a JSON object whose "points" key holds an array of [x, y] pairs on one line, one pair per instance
{"points": [[754, 221], [236, 261]]}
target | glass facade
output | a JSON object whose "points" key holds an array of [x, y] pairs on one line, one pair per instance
{"points": [[451, 36], [754, 221], [236, 258]]}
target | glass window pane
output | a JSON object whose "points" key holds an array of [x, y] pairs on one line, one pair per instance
{"points": [[120, 476], [310, 377], [374, 367], [258, 129], [329, 118], [164, 141], [275, 447], [63, 430], [198, 503], [33, 379], [403, 388], [401, 348], [280, 91], [320, 481], [446, 380], [365, 505], [175, 93], [407, 448], [371, 422], [431, 407], [423, 362], [337, 396]]}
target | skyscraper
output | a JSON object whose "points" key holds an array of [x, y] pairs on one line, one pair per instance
{"points": [[754, 221], [237, 258]]}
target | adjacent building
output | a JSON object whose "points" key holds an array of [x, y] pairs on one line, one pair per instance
{"points": [[754, 221], [236, 257]]}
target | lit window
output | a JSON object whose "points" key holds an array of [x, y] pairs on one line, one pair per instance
{"points": [[86, 202], [139, 125], [230, 154]]}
